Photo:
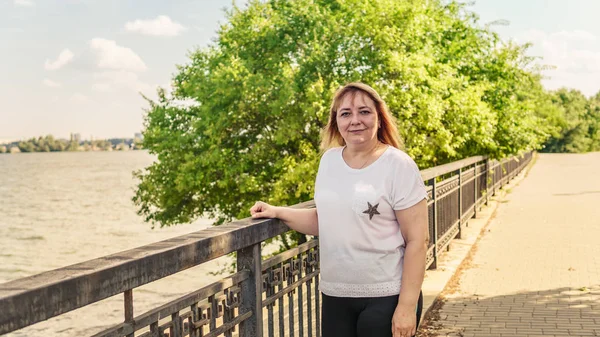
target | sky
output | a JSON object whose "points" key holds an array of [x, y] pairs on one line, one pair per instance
{"points": [[80, 66]]}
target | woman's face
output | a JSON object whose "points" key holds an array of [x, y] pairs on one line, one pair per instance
{"points": [[357, 119]]}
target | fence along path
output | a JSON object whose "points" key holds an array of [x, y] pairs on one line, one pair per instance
{"points": [[536, 272], [263, 295]]}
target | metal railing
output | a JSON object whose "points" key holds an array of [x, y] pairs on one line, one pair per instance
{"points": [[456, 192], [277, 296]]}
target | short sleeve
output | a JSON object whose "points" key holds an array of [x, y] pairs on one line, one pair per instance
{"points": [[324, 163], [408, 188]]}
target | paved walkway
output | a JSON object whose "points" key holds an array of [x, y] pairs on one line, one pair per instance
{"points": [[536, 270]]}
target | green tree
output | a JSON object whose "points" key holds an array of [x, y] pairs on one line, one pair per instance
{"points": [[263, 91], [58, 146], [26, 146], [72, 146], [593, 118], [574, 133]]}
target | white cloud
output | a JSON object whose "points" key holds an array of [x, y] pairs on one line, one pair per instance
{"points": [[161, 26], [78, 98], [576, 35], [108, 81], [115, 57], [51, 83], [575, 54], [63, 59], [24, 3], [11, 30]]}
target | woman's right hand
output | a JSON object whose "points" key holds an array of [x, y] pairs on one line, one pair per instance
{"points": [[263, 210]]}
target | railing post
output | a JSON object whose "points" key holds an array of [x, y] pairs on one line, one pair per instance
{"points": [[460, 211], [503, 175], [493, 177], [435, 224], [487, 181], [249, 258], [475, 191], [128, 303]]}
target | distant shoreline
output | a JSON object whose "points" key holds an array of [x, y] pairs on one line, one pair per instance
{"points": [[50, 144], [77, 151]]}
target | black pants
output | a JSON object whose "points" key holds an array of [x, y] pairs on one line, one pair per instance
{"points": [[360, 317]]}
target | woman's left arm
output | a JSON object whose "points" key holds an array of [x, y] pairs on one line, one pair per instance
{"points": [[415, 230]]}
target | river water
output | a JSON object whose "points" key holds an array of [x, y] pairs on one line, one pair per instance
{"points": [[58, 209]]}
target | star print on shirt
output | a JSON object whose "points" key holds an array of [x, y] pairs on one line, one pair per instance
{"points": [[372, 210]]}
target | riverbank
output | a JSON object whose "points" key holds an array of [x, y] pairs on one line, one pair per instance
{"points": [[50, 144]]}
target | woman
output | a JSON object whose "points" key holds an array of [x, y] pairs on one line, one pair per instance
{"points": [[371, 219]]}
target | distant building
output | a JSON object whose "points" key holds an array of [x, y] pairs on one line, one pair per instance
{"points": [[76, 137]]}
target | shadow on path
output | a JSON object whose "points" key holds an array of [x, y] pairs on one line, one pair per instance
{"points": [[578, 193], [555, 312]]}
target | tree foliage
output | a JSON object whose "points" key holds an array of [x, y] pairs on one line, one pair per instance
{"points": [[578, 119], [44, 144], [50, 144], [262, 92]]}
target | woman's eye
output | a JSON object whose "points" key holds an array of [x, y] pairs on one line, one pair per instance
{"points": [[364, 112], [344, 114]]}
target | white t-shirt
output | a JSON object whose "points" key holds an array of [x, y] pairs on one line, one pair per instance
{"points": [[361, 246]]}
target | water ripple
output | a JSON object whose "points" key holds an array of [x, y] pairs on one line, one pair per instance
{"points": [[64, 208]]}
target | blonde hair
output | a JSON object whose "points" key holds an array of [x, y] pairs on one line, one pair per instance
{"points": [[387, 133]]}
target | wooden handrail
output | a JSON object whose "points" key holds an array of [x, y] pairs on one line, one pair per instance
{"points": [[39, 297]]}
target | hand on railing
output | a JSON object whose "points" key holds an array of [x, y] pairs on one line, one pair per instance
{"points": [[303, 220], [263, 210]]}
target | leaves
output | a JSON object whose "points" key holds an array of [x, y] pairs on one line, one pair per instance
{"points": [[577, 121], [263, 89]]}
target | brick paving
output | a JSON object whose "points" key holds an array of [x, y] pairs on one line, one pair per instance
{"points": [[536, 270]]}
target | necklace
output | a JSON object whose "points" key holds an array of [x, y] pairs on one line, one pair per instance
{"points": [[368, 155]]}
